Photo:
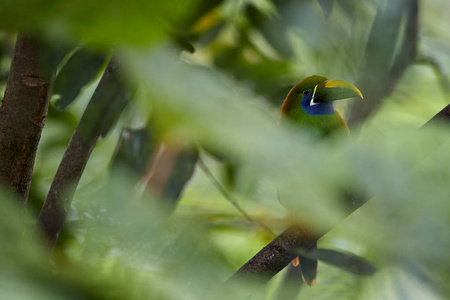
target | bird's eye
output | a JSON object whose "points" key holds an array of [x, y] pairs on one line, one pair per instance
{"points": [[306, 92]]}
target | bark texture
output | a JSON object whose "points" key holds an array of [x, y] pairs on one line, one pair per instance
{"points": [[276, 255], [22, 117]]}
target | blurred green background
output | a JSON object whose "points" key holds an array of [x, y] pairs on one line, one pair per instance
{"points": [[214, 73]]}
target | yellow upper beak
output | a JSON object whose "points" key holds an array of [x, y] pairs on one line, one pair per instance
{"points": [[332, 90]]}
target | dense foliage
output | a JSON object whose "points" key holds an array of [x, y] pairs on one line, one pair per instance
{"points": [[207, 79]]}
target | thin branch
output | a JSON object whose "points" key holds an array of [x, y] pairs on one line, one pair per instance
{"points": [[101, 113], [22, 117], [281, 251], [230, 198]]}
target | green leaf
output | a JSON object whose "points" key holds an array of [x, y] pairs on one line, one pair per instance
{"points": [[51, 53], [81, 68], [343, 260], [133, 150]]}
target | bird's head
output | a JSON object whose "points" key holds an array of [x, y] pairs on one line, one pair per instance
{"points": [[316, 94]]}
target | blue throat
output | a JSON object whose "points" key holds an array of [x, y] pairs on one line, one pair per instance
{"points": [[326, 108]]}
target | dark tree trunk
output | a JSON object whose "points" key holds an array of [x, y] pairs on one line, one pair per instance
{"points": [[22, 117]]}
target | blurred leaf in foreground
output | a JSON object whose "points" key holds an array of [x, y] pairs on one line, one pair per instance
{"points": [[386, 168], [101, 22]]}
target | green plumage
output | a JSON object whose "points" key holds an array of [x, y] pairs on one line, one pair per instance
{"points": [[320, 125], [327, 91]]}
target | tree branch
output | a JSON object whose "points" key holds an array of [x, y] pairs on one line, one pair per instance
{"points": [[22, 117], [100, 115], [275, 256]]}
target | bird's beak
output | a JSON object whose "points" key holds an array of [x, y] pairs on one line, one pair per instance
{"points": [[332, 90]]}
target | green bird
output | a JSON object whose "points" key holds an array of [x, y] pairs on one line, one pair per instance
{"points": [[310, 104]]}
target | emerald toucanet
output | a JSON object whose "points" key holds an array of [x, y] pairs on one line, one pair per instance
{"points": [[310, 104]]}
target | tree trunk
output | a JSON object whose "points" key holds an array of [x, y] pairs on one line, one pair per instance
{"points": [[22, 117]]}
